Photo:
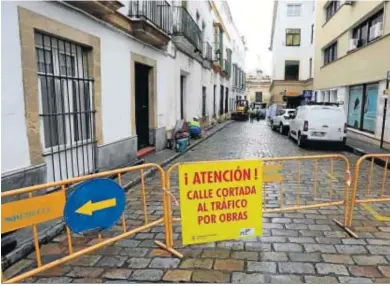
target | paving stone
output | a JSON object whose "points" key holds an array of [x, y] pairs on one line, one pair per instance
{"points": [[322, 248], [273, 239], [305, 257], [210, 276], [338, 258], [385, 250], [310, 233], [134, 252], [296, 268], [17, 268], [229, 264], [281, 220], [245, 255], [112, 261], [178, 276], [385, 228], [301, 240], [382, 235], [128, 243], [137, 262], [319, 227], [385, 271], [336, 234], [285, 279], [142, 236], [87, 281], [257, 246], [262, 267], [272, 226], [147, 275], [369, 260], [91, 272], [354, 241], [354, 280], [164, 263], [287, 247], [158, 252], [379, 241], [296, 226], [351, 249], [233, 245], [147, 243], [57, 271], [245, 278], [216, 253], [285, 232], [117, 274], [328, 240], [54, 280], [365, 271], [191, 253], [197, 263], [320, 280], [273, 256], [328, 268], [382, 280]]}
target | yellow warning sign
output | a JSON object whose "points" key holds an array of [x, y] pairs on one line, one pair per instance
{"points": [[23, 213], [220, 200]]}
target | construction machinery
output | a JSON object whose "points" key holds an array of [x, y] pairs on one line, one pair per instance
{"points": [[241, 112]]}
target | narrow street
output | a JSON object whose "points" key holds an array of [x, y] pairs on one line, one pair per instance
{"points": [[296, 247]]}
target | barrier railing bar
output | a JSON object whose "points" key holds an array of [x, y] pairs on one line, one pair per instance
{"points": [[36, 241], [124, 227], [384, 177], [378, 200], [331, 178], [304, 207], [69, 236], [299, 183], [281, 190], [370, 177], [315, 178], [81, 252], [144, 196]]}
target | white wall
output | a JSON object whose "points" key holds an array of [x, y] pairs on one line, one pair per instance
{"points": [[281, 52]]}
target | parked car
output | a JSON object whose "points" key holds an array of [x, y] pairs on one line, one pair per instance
{"points": [[319, 123], [281, 120]]}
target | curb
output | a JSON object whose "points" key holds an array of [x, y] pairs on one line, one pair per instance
{"points": [[360, 152], [26, 248]]}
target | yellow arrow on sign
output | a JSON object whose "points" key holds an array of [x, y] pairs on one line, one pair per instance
{"points": [[88, 208]]}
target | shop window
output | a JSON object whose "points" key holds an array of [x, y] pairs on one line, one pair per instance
{"points": [[362, 107]]}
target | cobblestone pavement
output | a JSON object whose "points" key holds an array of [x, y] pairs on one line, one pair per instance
{"points": [[296, 246]]}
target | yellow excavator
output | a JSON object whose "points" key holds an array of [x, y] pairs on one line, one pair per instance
{"points": [[241, 112]]}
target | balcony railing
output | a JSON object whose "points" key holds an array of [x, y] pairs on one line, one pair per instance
{"points": [[157, 12], [207, 51], [184, 25]]}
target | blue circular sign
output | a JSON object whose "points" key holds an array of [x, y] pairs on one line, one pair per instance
{"points": [[94, 205]]}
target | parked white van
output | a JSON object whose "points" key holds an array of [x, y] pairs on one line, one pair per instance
{"points": [[319, 122]]}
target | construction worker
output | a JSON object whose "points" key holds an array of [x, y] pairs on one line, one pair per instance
{"points": [[194, 128]]}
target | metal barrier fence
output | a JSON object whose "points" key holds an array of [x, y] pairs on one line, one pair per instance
{"points": [[370, 187], [60, 196], [283, 188]]}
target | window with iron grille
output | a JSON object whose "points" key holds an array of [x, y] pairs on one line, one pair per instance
{"points": [[66, 110]]}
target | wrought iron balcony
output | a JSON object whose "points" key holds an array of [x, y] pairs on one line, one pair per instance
{"points": [[184, 25], [151, 21], [207, 51]]}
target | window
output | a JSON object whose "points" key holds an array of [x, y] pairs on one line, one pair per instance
{"points": [[312, 34], [259, 96], [291, 70], [203, 101], [310, 67], [367, 31], [65, 91], [331, 9], [293, 10], [330, 53], [293, 37]]}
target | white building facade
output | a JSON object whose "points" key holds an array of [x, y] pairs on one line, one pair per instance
{"points": [[292, 39], [87, 85]]}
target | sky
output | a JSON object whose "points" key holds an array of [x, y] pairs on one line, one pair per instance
{"points": [[253, 19]]}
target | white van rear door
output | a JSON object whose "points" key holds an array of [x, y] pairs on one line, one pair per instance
{"points": [[326, 123]]}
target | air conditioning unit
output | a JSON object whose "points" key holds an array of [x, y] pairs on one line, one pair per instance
{"points": [[353, 44], [375, 31]]}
